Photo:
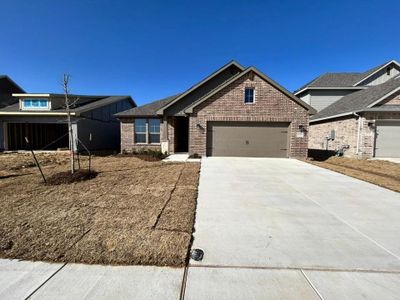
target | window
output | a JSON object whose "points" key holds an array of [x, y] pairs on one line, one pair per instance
{"points": [[140, 130], [154, 130], [35, 104], [248, 95], [388, 69], [147, 128]]}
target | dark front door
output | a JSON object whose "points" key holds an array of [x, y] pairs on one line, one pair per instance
{"points": [[181, 134]]}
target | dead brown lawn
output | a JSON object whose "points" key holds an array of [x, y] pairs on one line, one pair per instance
{"points": [[379, 172], [133, 212]]}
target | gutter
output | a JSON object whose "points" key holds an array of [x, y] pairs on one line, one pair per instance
{"points": [[36, 113]]}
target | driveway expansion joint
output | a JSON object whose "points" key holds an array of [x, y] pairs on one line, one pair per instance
{"points": [[311, 285], [44, 282], [322, 269], [345, 222]]}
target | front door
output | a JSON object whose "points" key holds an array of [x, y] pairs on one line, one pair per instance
{"points": [[181, 134]]}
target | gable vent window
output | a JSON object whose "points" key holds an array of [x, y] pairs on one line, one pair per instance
{"points": [[248, 95], [388, 69]]}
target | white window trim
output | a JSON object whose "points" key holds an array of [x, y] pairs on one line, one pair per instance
{"points": [[254, 95], [146, 132], [22, 105]]}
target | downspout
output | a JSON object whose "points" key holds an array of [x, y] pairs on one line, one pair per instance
{"points": [[358, 133]]}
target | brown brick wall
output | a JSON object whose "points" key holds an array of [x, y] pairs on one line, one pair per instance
{"points": [[171, 134], [127, 137], [345, 134], [346, 130], [271, 105]]}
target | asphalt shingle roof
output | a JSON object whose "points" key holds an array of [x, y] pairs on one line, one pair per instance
{"points": [[342, 79], [358, 101], [147, 110], [7, 87]]}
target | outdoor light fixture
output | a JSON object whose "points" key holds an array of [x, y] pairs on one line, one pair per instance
{"points": [[302, 128], [201, 128]]}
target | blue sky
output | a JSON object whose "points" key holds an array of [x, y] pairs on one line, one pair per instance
{"points": [[153, 49]]}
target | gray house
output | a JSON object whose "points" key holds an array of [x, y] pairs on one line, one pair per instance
{"points": [[7, 88], [364, 122], [330, 87], [42, 118]]}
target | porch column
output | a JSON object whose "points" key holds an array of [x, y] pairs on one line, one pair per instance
{"points": [[164, 134]]}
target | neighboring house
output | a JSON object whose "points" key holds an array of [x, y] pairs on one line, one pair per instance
{"points": [[235, 111], [366, 122], [42, 118], [330, 87], [7, 88]]}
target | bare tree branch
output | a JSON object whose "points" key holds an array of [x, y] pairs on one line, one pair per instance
{"points": [[67, 107]]}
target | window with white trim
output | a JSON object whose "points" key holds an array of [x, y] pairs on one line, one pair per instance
{"points": [[140, 130], [154, 131], [40, 104], [147, 131], [248, 95]]}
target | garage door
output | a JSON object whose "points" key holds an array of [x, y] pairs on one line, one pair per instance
{"points": [[40, 135], [249, 139], [387, 142]]}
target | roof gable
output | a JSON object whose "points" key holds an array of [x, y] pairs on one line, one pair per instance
{"points": [[359, 101], [200, 84], [260, 74], [343, 79], [368, 74]]}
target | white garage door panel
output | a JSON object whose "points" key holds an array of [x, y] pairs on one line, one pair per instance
{"points": [[387, 139]]}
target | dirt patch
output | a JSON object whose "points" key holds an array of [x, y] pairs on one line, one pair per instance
{"points": [[67, 177], [106, 220], [379, 172]]}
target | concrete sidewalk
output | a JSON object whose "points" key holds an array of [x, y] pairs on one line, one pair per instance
{"points": [[39, 280]]}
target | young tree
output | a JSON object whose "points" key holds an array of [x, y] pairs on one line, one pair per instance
{"points": [[68, 105]]}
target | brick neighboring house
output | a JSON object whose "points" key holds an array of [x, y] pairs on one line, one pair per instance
{"points": [[235, 111], [366, 122]]}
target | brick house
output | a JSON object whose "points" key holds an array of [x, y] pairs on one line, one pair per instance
{"points": [[366, 122], [235, 111]]}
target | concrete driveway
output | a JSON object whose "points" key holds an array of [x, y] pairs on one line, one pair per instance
{"points": [[284, 229]]}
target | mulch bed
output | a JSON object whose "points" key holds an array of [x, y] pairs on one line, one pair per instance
{"points": [[68, 177]]}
